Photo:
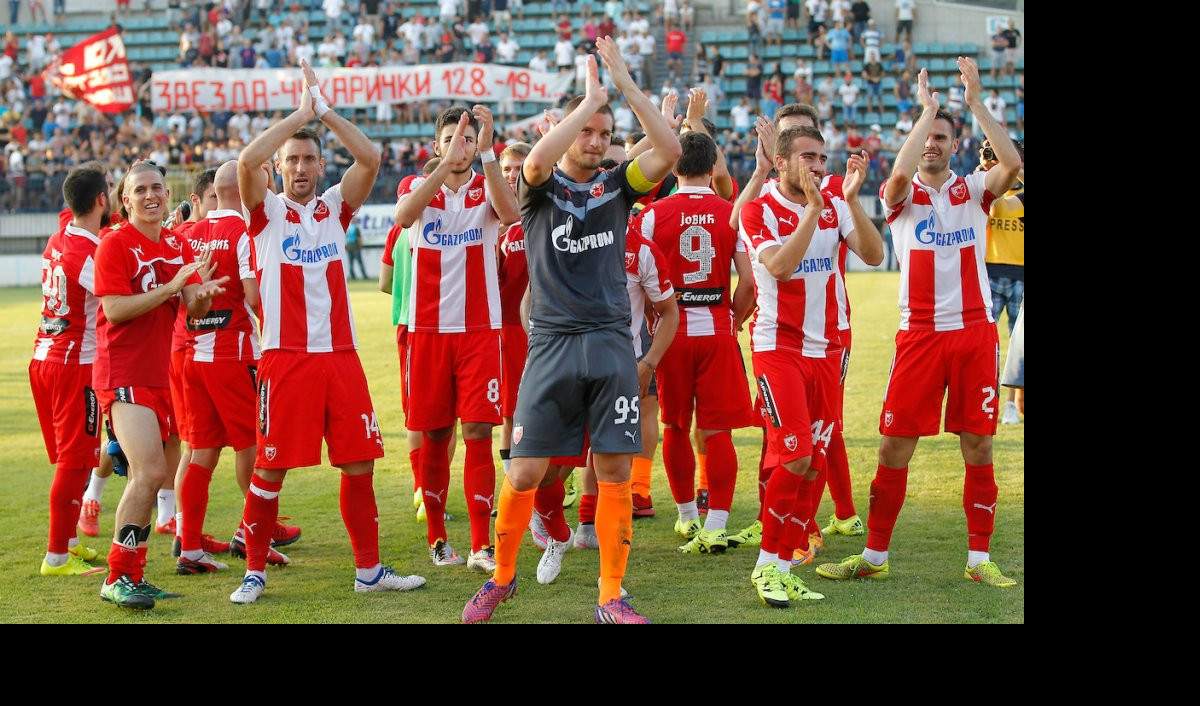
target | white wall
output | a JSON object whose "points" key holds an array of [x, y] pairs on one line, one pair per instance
{"points": [[20, 270]]}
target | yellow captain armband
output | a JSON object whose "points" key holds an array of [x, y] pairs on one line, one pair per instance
{"points": [[635, 177]]}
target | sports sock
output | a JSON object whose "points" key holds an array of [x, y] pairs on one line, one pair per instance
{"points": [[839, 478], [765, 557], [688, 511], [724, 471], [95, 489], [166, 506], [142, 551], [819, 493], [764, 477], [680, 463], [479, 486], [259, 516], [979, 502], [414, 462], [640, 476], [614, 530], [368, 573], [547, 502], [57, 560], [875, 557], [587, 509], [512, 520], [887, 497], [702, 468], [505, 459], [973, 558], [781, 496], [800, 524], [65, 503], [179, 521], [716, 520], [193, 499], [191, 554], [435, 480], [361, 518]]}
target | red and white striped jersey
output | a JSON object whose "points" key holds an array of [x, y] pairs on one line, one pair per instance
{"points": [[67, 333], [299, 258], [691, 228], [455, 287], [801, 314], [646, 277], [940, 242], [179, 335], [514, 274], [227, 332]]}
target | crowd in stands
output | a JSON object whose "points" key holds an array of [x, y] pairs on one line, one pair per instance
{"points": [[44, 134]]}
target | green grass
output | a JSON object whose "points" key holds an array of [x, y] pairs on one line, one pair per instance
{"points": [[928, 552]]}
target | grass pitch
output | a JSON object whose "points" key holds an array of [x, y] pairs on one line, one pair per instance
{"points": [[927, 554]]}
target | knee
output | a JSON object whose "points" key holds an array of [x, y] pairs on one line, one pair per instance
{"points": [[977, 449], [476, 430], [443, 433], [800, 466]]}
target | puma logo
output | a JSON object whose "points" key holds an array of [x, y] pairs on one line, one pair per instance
{"points": [[782, 518], [788, 221], [437, 496], [249, 527], [631, 435], [545, 518], [990, 508], [803, 525], [763, 484], [487, 500]]}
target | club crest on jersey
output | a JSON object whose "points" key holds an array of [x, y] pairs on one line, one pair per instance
{"points": [[518, 433], [630, 259], [597, 190], [828, 217], [321, 212], [269, 452], [888, 418], [474, 194], [959, 191], [172, 242], [790, 442]]}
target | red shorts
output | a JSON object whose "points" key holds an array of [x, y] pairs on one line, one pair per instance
{"points": [[516, 349], [68, 412], [575, 461], [220, 403], [963, 365], [402, 348], [457, 376], [303, 397], [155, 398], [840, 361], [794, 392], [178, 400], [704, 374]]}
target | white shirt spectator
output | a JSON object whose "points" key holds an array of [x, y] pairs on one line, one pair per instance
{"points": [[239, 125], [641, 24], [327, 52], [995, 105], [803, 71], [176, 123], [6, 64], [333, 9], [849, 93], [818, 10], [904, 124], [447, 9], [740, 114], [259, 124], [305, 51], [839, 10], [478, 32], [626, 44], [37, 51], [62, 113], [539, 63], [16, 163], [581, 67], [287, 37], [564, 53], [904, 9], [224, 27], [365, 32], [506, 51], [624, 118], [411, 31], [646, 45]]}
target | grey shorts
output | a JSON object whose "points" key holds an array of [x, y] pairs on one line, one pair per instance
{"points": [[1014, 367], [573, 384]]}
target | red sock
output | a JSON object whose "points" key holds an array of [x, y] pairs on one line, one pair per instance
{"points": [[193, 503], [414, 460], [435, 480], [722, 471], [140, 572], [979, 502], [479, 485], [839, 477], [547, 503], [66, 500], [800, 524], [587, 509], [781, 497], [258, 520], [361, 518], [680, 463], [887, 497], [764, 477], [121, 562], [818, 492]]}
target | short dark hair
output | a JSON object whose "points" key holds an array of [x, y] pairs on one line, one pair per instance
{"points": [[607, 164], [307, 133], [786, 139], [84, 183], [699, 155], [578, 101], [943, 114], [451, 116], [203, 180], [430, 166], [797, 109]]}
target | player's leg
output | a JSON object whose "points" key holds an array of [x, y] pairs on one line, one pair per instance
{"points": [[515, 349], [676, 373], [193, 504], [702, 487], [166, 522], [89, 514], [479, 487], [643, 462], [845, 518], [549, 517], [479, 405], [431, 410]]}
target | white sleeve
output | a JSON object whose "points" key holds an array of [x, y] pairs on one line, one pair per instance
{"points": [[245, 271], [87, 275], [845, 220]]}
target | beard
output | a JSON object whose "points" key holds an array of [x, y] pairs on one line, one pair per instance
{"points": [[105, 218]]}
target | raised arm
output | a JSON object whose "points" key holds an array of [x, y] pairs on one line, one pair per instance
{"points": [[764, 154], [410, 206], [502, 198], [1001, 177], [360, 177], [251, 184], [865, 240], [555, 143], [656, 163], [909, 156], [667, 109], [697, 108]]}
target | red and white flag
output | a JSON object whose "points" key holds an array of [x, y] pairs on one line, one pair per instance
{"points": [[95, 70]]}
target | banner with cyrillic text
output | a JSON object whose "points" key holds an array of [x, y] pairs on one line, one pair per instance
{"points": [[250, 90], [95, 70]]}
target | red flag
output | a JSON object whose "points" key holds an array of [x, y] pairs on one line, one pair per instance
{"points": [[95, 70]]}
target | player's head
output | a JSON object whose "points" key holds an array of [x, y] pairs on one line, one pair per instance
{"points": [[86, 189], [800, 154], [225, 187], [430, 166], [616, 150], [144, 194], [511, 160], [300, 163], [699, 156], [203, 196], [941, 144], [795, 115], [591, 144], [447, 123]]}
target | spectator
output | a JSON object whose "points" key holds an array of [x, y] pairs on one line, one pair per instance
{"points": [[14, 10], [676, 40], [623, 118], [849, 95], [793, 14], [772, 92], [903, 92], [354, 251], [999, 49], [646, 48], [364, 32], [741, 115], [776, 15], [839, 48], [871, 38], [1020, 92], [447, 10], [904, 124], [1013, 36], [539, 62], [501, 15], [333, 13], [827, 88], [872, 75], [754, 26], [477, 31], [906, 14], [860, 11], [687, 16], [818, 11], [506, 50], [754, 78], [995, 105], [802, 87], [821, 42], [564, 55], [581, 70]]}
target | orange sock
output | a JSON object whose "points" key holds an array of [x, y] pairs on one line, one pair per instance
{"points": [[641, 476], [512, 519], [702, 464], [614, 530]]}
